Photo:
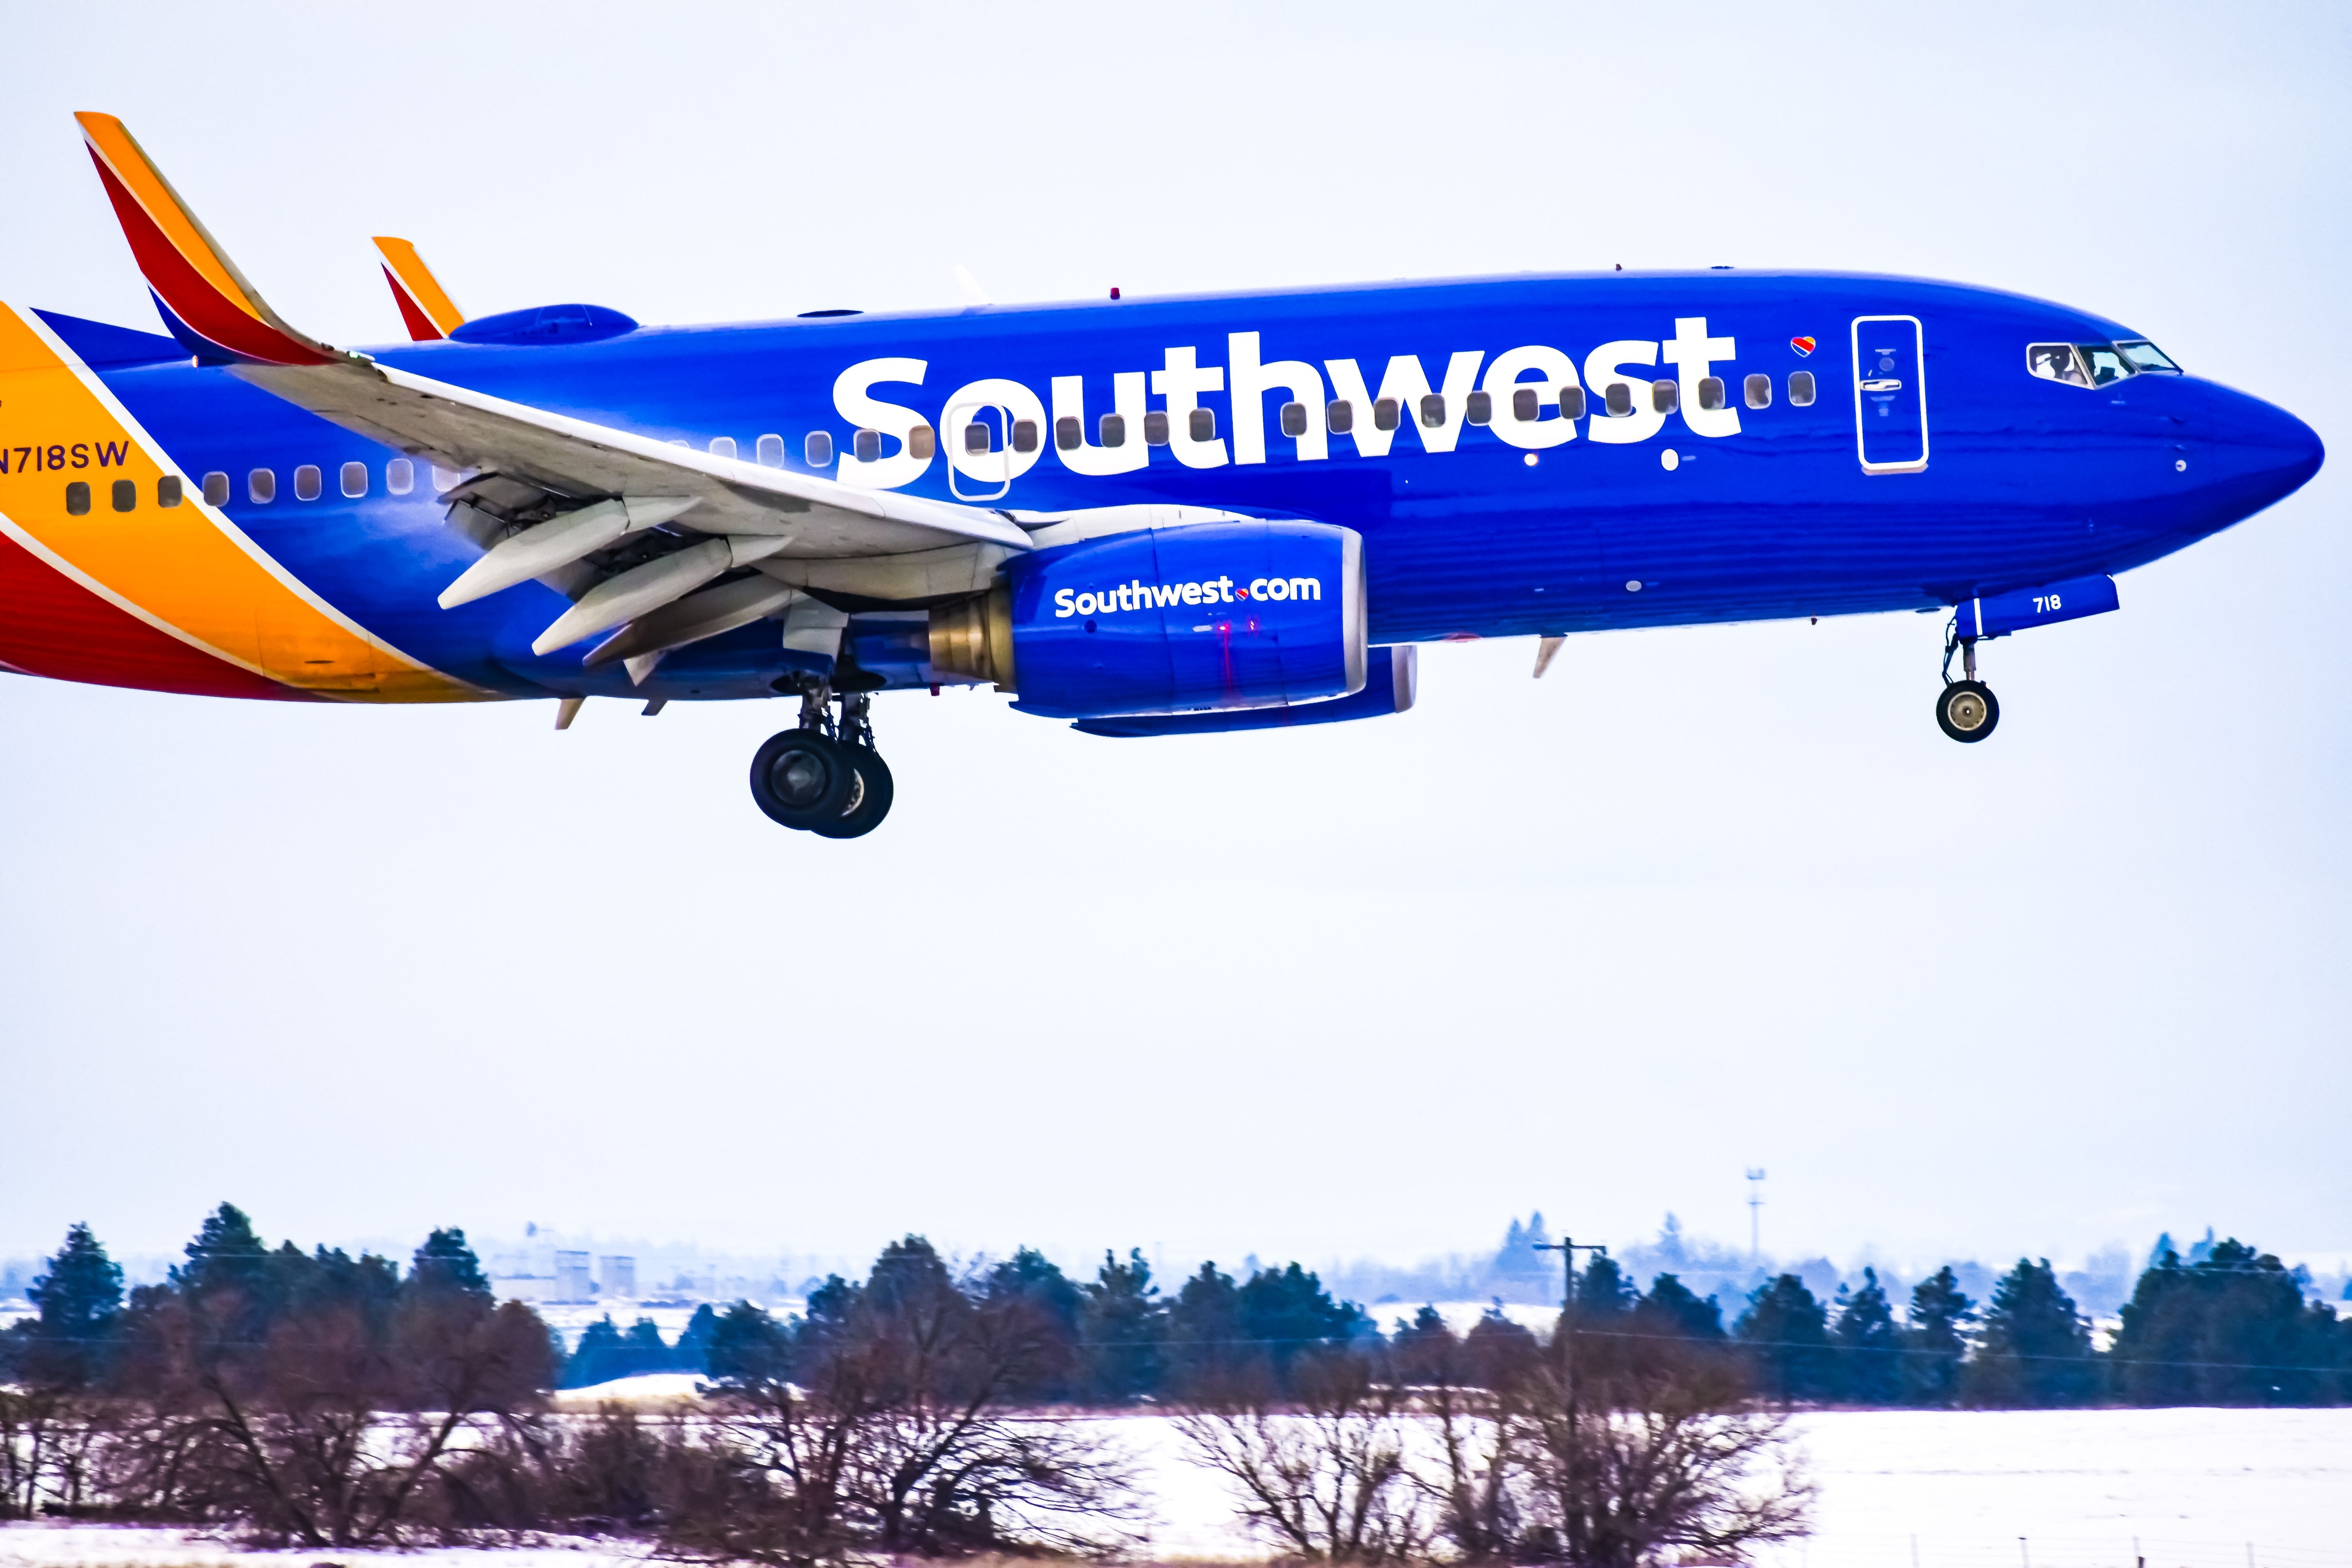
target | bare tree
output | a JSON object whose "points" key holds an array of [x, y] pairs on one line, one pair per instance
{"points": [[1325, 1473], [1667, 1457]]}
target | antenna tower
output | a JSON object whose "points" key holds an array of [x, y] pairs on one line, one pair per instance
{"points": [[1754, 1219]]}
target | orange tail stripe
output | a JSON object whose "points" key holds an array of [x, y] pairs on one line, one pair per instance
{"points": [[186, 569], [115, 150]]}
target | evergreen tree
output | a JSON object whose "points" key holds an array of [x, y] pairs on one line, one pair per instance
{"points": [[748, 1347], [1870, 1348], [1123, 1326], [1603, 1295], [598, 1356], [80, 1301], [1787, 1332], [1031, 1288], [2036, 1349], [909, 1276], [227, 1255], [2231, 1329], [1670, 1309], [446, 1262], [1285, 1311], [693, 1352], [1934, 1337]]}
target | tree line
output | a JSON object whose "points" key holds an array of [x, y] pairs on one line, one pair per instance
{"points": [[322, 1399]]}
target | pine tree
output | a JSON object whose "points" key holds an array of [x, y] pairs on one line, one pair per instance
{"points": [[446, 1262], [1603, 1294], [1123, 1325], [1670, 1309], [81, 1301], [1787, 1332], [599, 1354], [1935, 1338], [2036, 1349], [1870, 1348], [749, 1349], [2231, 1329], [226, 1255], [693, 1350], [1286, 1309]]}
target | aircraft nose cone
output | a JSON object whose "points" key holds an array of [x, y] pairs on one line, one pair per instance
{"points": [[2264, 452]]}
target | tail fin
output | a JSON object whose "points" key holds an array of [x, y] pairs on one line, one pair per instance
{"points": [[426, 308], [206, 299]]}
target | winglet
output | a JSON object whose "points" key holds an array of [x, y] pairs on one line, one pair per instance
{"points": [[425, 306], [195, 282]]}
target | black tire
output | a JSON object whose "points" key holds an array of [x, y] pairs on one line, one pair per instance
{"points": [[1967, 710], [800, 778], [869, 799]]}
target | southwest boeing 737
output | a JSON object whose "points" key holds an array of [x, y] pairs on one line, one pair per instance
{"points": [[1149, 517]]}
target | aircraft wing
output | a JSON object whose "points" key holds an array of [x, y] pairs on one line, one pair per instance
{"points": [[575, 459]]}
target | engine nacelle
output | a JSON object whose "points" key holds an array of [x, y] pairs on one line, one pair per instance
{"points": [[1234, 614]]}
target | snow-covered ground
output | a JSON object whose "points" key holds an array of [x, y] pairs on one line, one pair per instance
{"points": [[2183, 1489]]}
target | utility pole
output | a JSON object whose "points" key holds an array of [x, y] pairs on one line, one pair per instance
{"points": [[1573, 1514], [1755, 1220]]}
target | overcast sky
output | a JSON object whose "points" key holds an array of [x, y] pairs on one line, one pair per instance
{"points": [[1701, 900]]}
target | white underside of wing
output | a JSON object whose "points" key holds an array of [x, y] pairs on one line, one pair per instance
{"points": [[818, 517]]}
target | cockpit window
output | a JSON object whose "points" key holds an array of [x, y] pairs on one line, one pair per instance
{"points": [[2106, 362], [2146, 355], [2056, 362]]}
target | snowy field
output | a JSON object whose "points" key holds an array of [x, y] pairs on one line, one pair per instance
{"points": [[2184, 1488]]}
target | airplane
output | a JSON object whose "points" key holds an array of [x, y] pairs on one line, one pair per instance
{"points": [[1144, 517]]}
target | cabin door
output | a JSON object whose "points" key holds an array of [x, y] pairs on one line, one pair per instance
{"points": [[1890, 395]]}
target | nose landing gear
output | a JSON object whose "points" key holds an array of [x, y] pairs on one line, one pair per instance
{"points": [[823, 777], [1966, 709]]}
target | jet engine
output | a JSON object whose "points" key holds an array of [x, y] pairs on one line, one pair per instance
{"points": [[1234, 614]]}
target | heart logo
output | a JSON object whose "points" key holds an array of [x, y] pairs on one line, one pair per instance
{"points": [[1804, 347]]}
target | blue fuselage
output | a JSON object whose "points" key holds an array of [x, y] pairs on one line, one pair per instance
{"points": [[1694, 515]]}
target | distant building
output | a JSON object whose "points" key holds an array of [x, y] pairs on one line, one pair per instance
{"points": [[572, 1277], [619, 1277]]}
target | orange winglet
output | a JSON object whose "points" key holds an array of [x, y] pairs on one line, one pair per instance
{"points": [[426, 306], [188, 270]]}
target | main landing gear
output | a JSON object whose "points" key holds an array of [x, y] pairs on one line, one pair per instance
{"points": [[825, 778], [1966, 709]]}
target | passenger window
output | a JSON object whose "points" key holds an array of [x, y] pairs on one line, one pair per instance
{"points": [[1710, 391], [1619, 399], [1432, 410], [1760, 392], [1526, 407], [979, 439], [1340, 417], [921, 442], [1571, 403], [1294, 419], [1068, 434], [354, 478], [1665, 396], [1155, 427], [1801, 389], [1479, 408], [126, 495], [308, 482], [1025, 435], [261, 486], [78, 499], [2107, 363], [768, 451], [400, 476], [1384, 414], [2055, 361], [1202, 425], [722, 446], [167, 490], [2146, 355], [1111, 430], [867, 445], [216, 489], [818, 450]]}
